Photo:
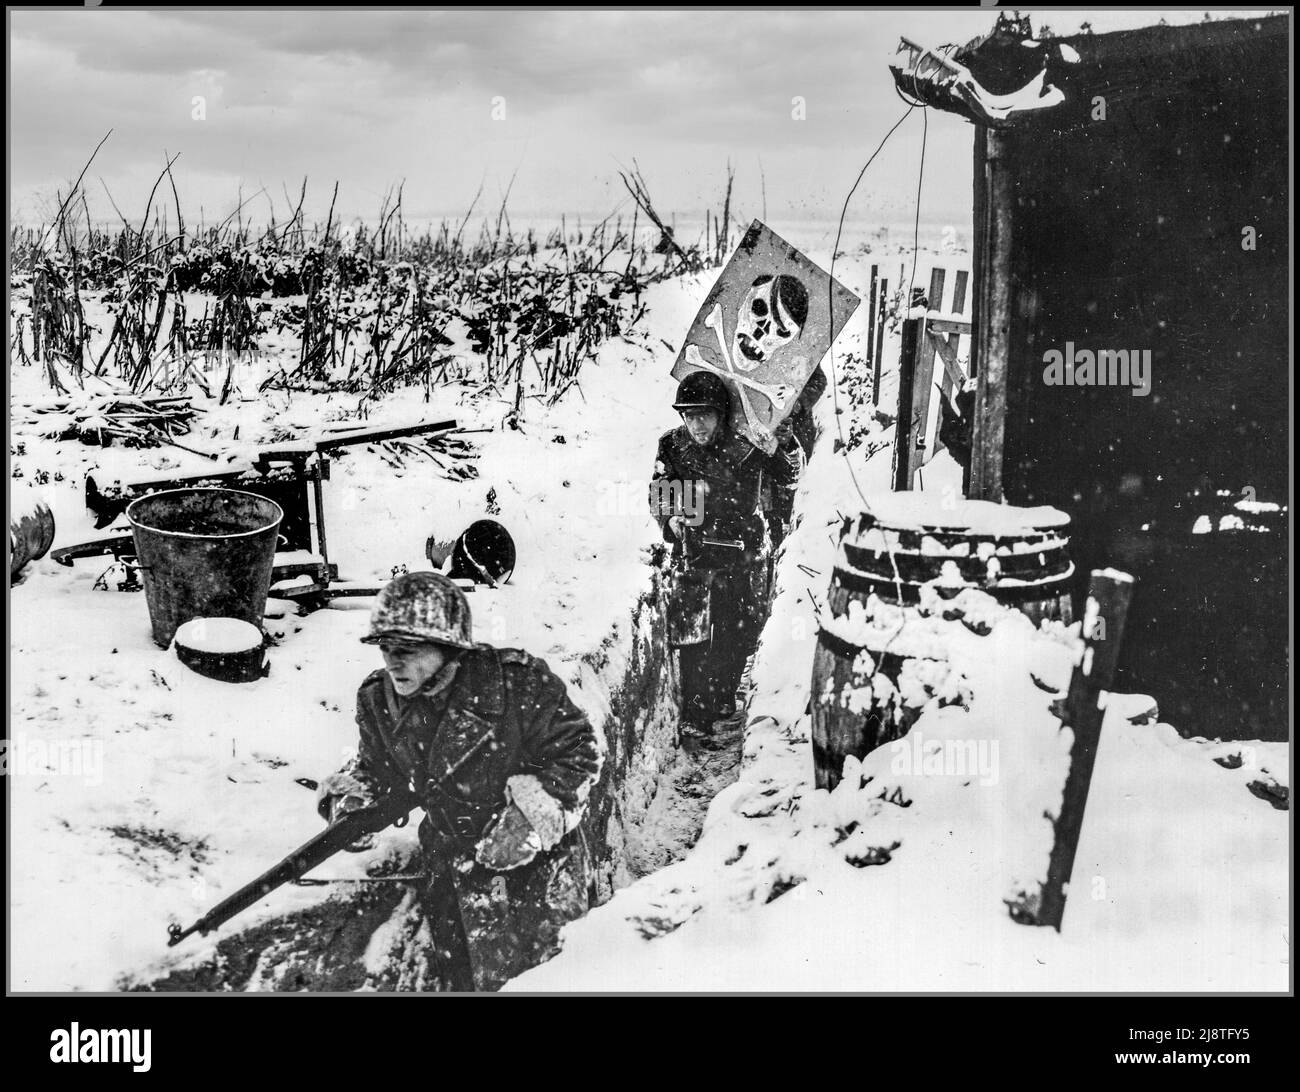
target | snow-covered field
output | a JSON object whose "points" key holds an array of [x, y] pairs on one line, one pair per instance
{"points": [[186, 786]]}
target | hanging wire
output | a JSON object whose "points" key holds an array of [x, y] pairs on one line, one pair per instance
{"points": [[878, 658], [912, 102], [916, 226], [877, 655], [830, 293]]}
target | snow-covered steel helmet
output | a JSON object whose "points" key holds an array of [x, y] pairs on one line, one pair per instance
{"points": [[703, 390], [421, 607]]}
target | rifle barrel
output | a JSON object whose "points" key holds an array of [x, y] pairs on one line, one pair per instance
{"points": [[392, 808], [301, 861]]}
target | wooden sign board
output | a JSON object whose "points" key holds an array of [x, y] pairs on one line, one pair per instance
{"points": [[764, 327]]}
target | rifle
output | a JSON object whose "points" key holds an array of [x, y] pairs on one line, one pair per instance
{"points": [[391, 810]]}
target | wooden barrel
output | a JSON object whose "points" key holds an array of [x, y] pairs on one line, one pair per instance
{"points": [[915, 554]]}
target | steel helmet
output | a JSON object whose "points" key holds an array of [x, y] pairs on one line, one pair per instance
{"points": [[421, 607], [703, 390], [484, 553]]}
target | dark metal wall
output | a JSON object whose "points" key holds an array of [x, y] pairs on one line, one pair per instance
{"points": [[1126, 233]]}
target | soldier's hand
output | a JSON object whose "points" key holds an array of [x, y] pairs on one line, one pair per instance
{"points": [[510, 843], [340, 807], [343, 792], [677, 525]]}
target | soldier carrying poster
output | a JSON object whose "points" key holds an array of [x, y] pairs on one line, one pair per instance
{"points": [[755, 343]]}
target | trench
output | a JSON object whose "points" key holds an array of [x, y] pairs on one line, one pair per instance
{"points": [[645, 812]]}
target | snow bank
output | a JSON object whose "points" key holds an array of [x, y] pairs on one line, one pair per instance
{"points": [[902, 877], [142, 793]]}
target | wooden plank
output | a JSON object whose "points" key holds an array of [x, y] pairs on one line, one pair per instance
{"points": [[946, 348], [923, 380], [959, 293], [979, 208], [319, 472], [943, 326], [871, 332], [879, 335], [992, 335], [905, 425], [951, 382], [1109, 595], [934, 301]]}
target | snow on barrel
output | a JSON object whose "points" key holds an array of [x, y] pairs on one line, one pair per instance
{"points": [[229, 649], [906, 571]]}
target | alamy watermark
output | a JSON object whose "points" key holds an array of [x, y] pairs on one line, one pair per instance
{"points": [[1102, 368], [913, 755], [116, 1046], [665, 496], [203, 367], [32, 756]]}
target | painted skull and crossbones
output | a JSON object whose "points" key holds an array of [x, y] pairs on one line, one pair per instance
{"points": [[771, 315]]}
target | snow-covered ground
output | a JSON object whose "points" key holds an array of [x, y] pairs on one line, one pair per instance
{"points": [[145, 792], [896, 880], [900, 878]]}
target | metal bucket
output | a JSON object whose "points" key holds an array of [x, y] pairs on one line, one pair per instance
{"points": [[30, 537], [204, 553]]}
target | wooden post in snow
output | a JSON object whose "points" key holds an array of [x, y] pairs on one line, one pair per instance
{"points": [[871, 339], [905, 425], [879, 334], [923, 379], [992, 314], [1109, 593]]}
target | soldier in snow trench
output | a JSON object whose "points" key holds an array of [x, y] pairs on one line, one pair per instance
{"points": [[705, 493], [508, 866]]}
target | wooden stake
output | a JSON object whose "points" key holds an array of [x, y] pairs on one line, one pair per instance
{"points": [[1109, 593], [872, 366], [992, 314], [905, 425], [923, 379], [879, 334]]}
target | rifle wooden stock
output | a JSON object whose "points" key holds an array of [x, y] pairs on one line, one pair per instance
{"points": [[302, 860], [393, 808]]}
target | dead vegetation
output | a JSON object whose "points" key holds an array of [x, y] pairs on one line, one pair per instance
{"points": [[361, 309]]}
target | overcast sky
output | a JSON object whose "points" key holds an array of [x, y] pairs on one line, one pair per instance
{"points": [[369, 98]]}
